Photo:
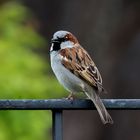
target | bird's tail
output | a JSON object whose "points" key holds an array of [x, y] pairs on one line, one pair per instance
{"points": [[104, 115]]}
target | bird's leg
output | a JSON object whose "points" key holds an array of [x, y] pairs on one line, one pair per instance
{"points": [[70, 97]]}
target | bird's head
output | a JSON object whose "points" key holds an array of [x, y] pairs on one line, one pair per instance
{"points": [[62, 40]]}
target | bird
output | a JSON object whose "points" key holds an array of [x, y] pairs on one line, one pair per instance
{"points": [[76, 71]]}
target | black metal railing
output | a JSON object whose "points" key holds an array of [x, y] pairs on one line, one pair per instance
{"points": [[58, 105]]}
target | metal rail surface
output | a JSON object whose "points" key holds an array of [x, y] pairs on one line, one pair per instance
{"points": [[63, 104], [58, 105]]}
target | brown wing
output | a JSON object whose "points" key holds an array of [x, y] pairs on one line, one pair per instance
{"points": [[78, 61]]}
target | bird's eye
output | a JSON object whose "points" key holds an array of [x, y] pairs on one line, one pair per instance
{"points": [[66, 38], [63, 39]]}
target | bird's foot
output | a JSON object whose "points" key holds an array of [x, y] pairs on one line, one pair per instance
{"points": [[71, 97]]}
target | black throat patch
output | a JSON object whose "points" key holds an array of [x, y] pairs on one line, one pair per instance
{"points": [[56, 46]]}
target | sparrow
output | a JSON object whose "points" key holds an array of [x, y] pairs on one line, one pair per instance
{"points": [[76, 71]]}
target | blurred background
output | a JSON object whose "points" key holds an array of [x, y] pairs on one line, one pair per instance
{"points": [[108, 29]]}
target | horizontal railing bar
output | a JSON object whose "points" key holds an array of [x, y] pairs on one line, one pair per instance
{"points": [[63, 104]]}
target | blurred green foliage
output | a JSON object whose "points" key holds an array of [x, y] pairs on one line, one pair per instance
{"points": [[23, 74]]}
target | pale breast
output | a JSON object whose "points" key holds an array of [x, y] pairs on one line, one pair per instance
{"points": [[71, 82]]}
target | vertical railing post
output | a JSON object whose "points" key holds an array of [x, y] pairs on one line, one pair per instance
{"points": [[57, 124]]}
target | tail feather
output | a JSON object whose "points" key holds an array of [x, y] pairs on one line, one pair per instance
{"points": [[104, 115]]}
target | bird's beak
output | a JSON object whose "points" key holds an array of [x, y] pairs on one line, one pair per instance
{"points": [[54, 40]]}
